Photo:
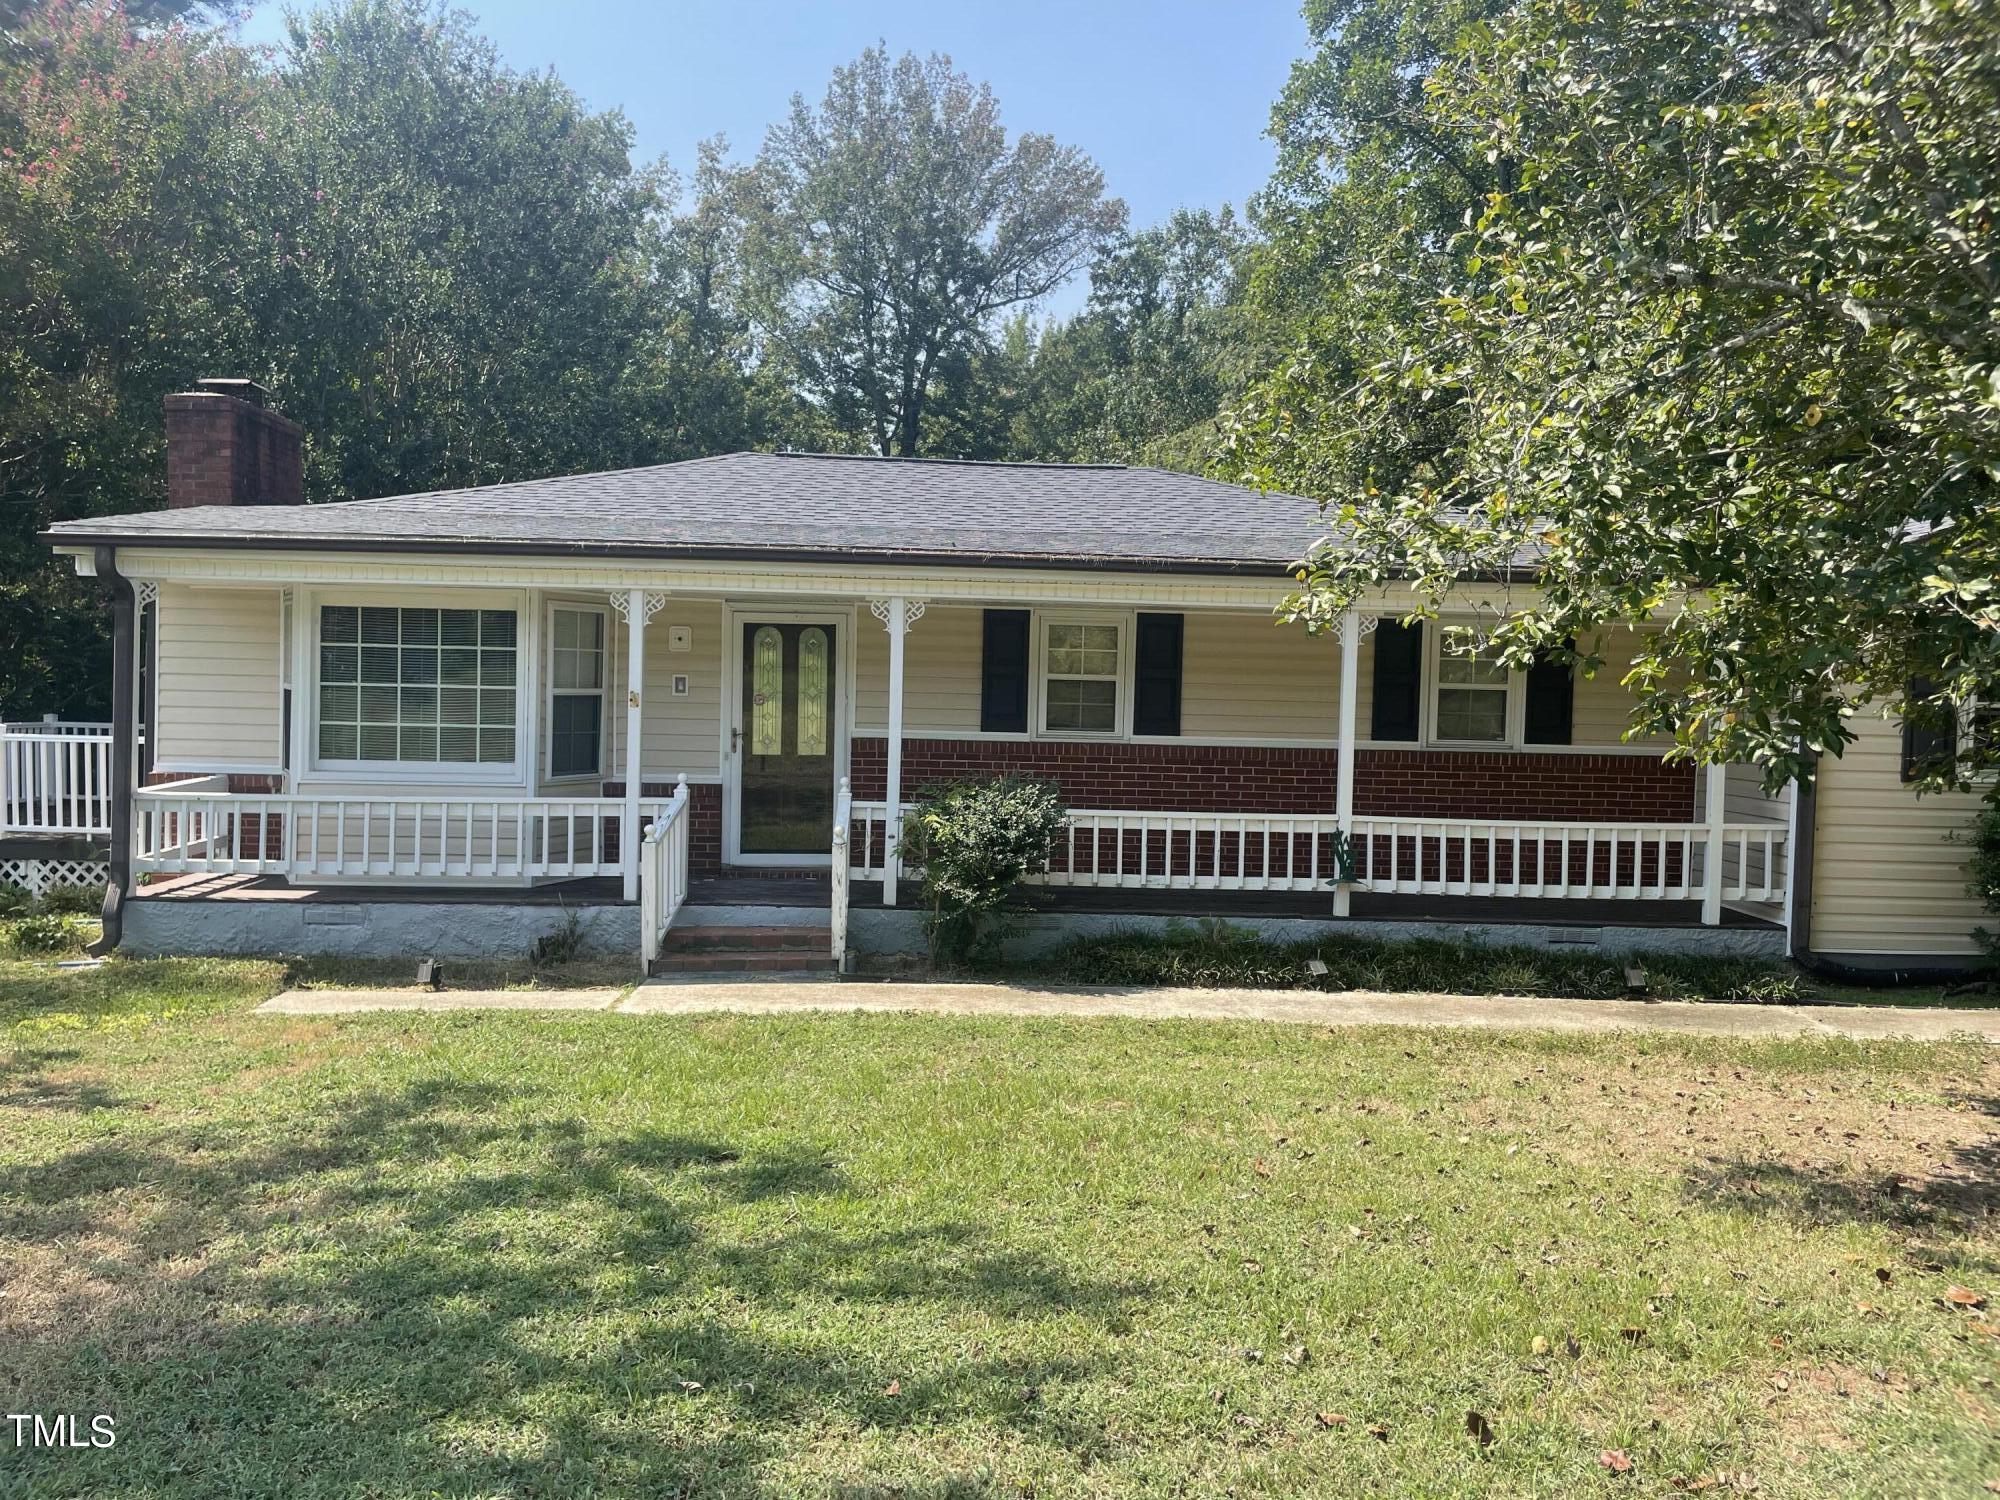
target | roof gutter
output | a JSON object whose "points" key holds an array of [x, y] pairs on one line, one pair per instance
{"points": [[886, 557]]}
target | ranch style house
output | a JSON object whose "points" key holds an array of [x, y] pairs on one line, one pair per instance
{"points": [[680, 711]]}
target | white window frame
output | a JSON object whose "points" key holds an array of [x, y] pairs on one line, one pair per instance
{"points": [[1121, 727], [550, 691], [1516, 700], [316, 773]]}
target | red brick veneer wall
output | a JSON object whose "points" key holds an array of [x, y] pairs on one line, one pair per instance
{"points": [[704, 823], [1501, 785]]}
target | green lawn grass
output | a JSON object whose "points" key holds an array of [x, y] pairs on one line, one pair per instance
{"points": [[563, 1255]]}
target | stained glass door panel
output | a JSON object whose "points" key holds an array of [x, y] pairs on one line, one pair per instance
{"points": [[786, 806]]}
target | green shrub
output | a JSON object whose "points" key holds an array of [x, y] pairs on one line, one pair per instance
{"points": [[1220, 957], [976, 841], [13, 899], [46, 934], [74, 900]]}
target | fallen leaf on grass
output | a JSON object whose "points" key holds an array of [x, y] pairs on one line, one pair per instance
{"points": [[1884, 1275], [894, 1388], [1479, 1429], [1261, 1167], [1378, 1432], [1571, 1347], [1298, 1355], [1330, 1419], [1632, 1333], [1964, 1296], [1615, 1460]]}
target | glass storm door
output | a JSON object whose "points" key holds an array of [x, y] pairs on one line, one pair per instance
{"points": [[787, 740]]}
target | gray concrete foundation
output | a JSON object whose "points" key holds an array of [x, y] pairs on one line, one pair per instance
{"points": [[371, 929], [893, 932]]}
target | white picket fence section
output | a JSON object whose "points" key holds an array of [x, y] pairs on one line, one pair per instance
{"points": [[1206, 851], [663, 872], [55, 778], [179, 828]]}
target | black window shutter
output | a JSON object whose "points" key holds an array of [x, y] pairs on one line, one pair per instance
{"points": [[1399, 670], [1551, 703], [1926, 746], [1156, 688], [1003, 678]]}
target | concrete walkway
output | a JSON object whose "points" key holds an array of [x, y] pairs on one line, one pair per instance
{"points": [[1354, 1008]]}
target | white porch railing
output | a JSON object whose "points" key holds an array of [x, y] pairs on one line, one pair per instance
{"points": [[55, 777], [183, 827], [663, 872], [1206, 851]]}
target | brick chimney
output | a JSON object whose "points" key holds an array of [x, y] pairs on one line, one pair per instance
{"points": [[225, 446]]}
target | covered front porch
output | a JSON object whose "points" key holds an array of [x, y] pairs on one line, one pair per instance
{"points": [[334, 732]]}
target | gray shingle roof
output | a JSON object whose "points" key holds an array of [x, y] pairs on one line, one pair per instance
{"points": [[789, 505]]}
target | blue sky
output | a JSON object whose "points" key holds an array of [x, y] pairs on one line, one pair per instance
{"points": [[1171, 97]]}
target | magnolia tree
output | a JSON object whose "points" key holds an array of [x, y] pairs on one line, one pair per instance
{"points": [[1722, 352]]}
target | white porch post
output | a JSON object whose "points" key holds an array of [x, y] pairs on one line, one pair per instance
{"points": [[1350, 694], [892, 854], [638, 607], [1715, 814]]}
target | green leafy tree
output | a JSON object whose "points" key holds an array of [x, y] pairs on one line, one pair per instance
{"points": [[892, 226], [1141, 374], [121, 148], [1723, 352], [448, 272]]}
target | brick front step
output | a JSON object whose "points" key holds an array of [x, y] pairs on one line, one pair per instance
{"points": [[748, 940], [746, 950], [819, 962]]}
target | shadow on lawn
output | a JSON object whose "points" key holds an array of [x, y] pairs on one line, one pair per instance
{"points": [[1954, 1197], [27, 1082], [424, 1290]]}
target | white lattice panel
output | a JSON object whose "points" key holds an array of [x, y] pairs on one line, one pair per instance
{"points": [[38, 876]]}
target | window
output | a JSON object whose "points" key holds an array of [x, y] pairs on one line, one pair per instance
{"points": [[576, 691], [430, 686], [1472, 694], [1081, 668]]}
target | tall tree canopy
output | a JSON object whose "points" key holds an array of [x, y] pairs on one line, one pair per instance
{"points": [[889, 228], [1141, 373], [1724, 351], [447, 271]]}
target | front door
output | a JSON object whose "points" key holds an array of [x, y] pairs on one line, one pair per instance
{"points": [[786, 741]]}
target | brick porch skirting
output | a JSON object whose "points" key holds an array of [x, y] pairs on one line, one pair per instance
{"points": [[1503, 786]]}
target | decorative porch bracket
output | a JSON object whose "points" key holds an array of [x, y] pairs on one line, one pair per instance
{"points": [[897, 615], [636, 607]]}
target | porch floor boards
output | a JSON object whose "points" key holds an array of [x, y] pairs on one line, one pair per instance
{"points": [[605, 890]]}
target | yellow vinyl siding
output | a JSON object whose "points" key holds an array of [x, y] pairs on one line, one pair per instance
{"points": [[217, 695], [1603, 705], [940, 673], [1249, 677], [1245, 677], [1885, 878], [682, 735]]}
